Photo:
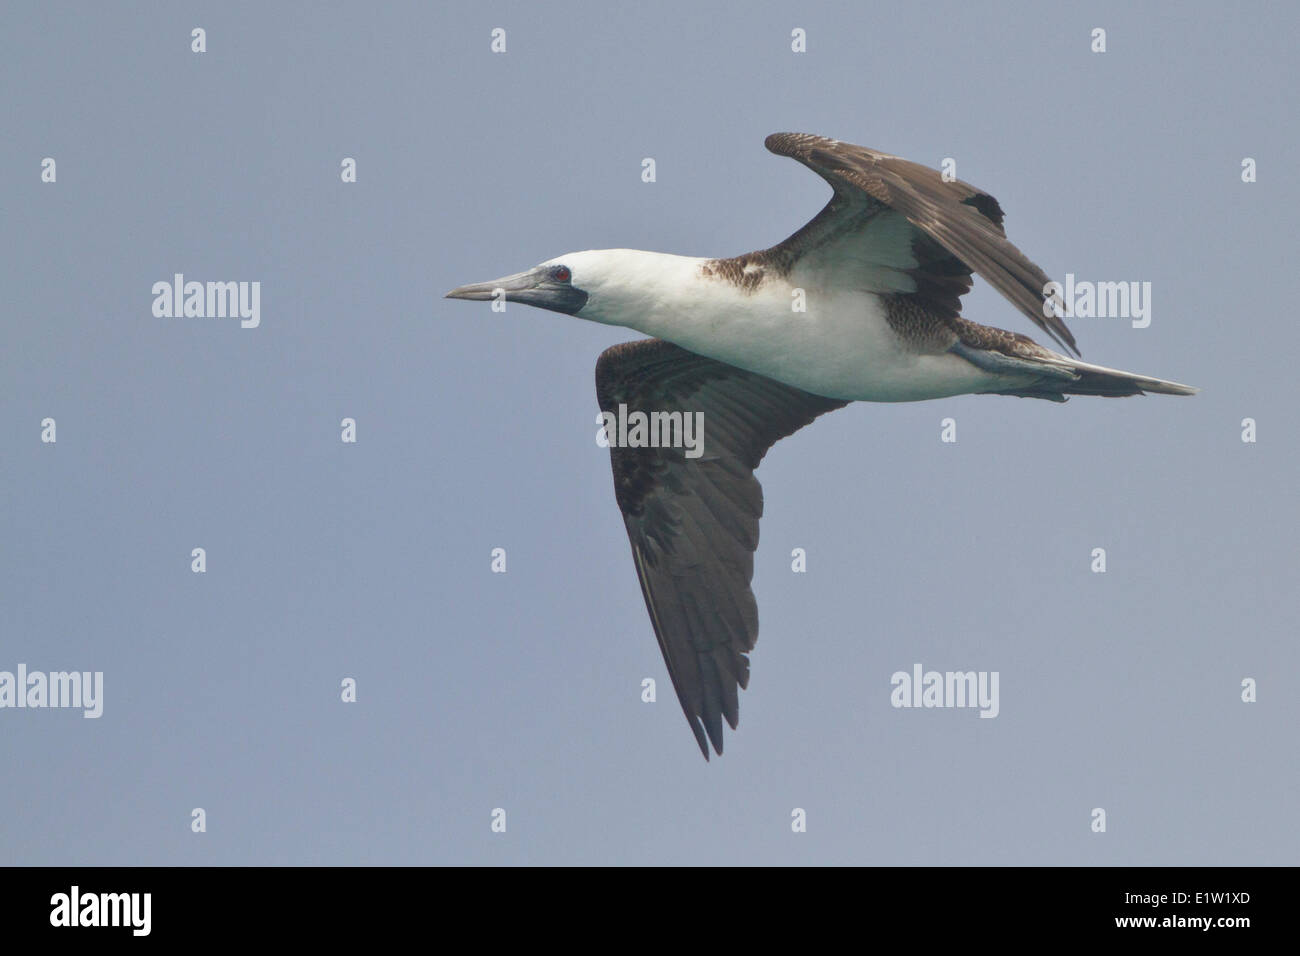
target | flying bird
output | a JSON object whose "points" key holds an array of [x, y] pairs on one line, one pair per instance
{"points": [[881, 270]]}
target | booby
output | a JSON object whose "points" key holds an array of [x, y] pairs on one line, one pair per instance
{"points": [[881, 269]]}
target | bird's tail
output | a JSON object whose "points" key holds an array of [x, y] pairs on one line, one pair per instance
{"points": [[1110, 382], [1059, 376]]}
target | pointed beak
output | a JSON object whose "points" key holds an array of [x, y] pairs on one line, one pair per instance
{"points": [[534, 287], [485, 291]]}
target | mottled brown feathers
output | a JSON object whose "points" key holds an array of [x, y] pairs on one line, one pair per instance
{"points": [[957, 231], [996, 340]]}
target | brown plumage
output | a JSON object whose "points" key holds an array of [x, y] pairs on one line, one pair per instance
{"points": [[958, 227]]}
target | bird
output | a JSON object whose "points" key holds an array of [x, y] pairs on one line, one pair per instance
{"points": [[880, 272]]}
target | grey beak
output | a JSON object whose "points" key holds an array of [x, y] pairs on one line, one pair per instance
{"points": [[534, 287], [485, 291]]}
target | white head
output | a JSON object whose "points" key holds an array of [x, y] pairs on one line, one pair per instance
{"points": [[611, 286]]}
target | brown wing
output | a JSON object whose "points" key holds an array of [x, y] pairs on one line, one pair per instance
{"points": [[693, 522], [951, 229]]}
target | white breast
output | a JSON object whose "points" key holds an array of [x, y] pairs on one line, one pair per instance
{"points": [[840, 347]]}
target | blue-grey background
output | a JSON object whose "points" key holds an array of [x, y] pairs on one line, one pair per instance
{"points": [[476, 430]]}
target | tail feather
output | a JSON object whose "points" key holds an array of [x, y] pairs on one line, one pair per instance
{"points": [[1054, 376], [1108, 382]]}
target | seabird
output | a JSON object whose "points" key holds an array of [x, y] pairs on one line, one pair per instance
{"points": [[882, 269]]}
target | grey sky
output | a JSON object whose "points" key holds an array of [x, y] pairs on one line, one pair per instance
{"points": [[522, 690]]}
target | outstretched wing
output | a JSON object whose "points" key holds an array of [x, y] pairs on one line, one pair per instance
{"points": [[693, 521], [895, 226]]}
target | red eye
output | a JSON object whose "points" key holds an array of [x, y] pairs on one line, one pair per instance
{"points": [[562, 273]]}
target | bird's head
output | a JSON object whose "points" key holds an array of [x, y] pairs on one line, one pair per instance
{"points": [[603, 285]]}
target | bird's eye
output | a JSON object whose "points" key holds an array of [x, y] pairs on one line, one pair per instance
{"points": [[561, 274]]}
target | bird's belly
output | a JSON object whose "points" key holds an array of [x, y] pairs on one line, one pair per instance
{"points": [[843, 349]]}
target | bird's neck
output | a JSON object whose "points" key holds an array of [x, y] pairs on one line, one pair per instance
{"points": [[651, 292]]}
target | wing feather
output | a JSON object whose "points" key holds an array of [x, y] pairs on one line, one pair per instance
{"points": [[957, 229], [693, 522]]}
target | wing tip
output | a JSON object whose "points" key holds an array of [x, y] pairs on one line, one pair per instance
{"points": [[790, 144], [701, 741], [775, 143], [1061, 334]]}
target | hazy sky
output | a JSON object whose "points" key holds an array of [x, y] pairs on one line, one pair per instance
{"points": [[371, 560]]}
